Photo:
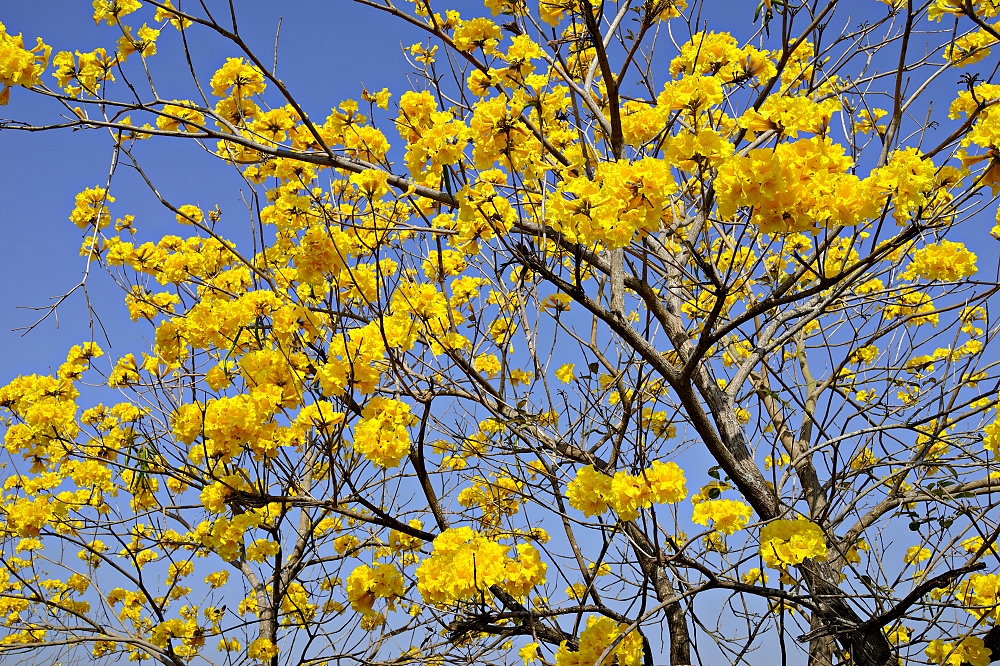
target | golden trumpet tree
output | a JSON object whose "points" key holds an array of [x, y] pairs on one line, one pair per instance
{"points": [[616, 338]]}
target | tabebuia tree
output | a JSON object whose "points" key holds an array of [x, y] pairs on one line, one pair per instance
{"points": [[618, 337]]}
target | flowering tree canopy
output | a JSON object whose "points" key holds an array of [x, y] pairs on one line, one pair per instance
{"points": [[617, 338]]}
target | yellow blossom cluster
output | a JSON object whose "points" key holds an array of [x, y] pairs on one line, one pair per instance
{"points": [[593, 492], [727, 516], [401, 542], [980, 594], [19, 66], [623, 200], [908, 180], [719, 54], [172, 260], [112, 11], [47, 409], [595, 639], [366, 584], [464, 564], [84, 73], [754, 576], [991, 436], [785, 543], [917, 307], [180, 116], [382, 436], [237, 78], [91, 210], [262, 649], [970, 650], [946, 261], [943, 8], [916, 554], [143, 42], [970, 48], [226, 536], [863, 459], [434, 139], [796, 187], [789, 115], [232, 423]]}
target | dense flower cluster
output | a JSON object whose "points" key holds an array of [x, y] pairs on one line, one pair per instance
{"points": [[622, 200], [19, 66], [465, 564], [366, 584], [593, 492], [969, 650], [796, 187], [980, 595], [595, 639], [945, 261], [785, 543], [727, 516], [382, 435]]}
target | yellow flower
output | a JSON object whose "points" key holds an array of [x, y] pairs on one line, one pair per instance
{"points": [[180, 116], [898, 634], [785, 543], [19, 66], [144, 43], [262, 650], [239, 77], [382, 436], [345, 543], [217, 579], [189, 214], [789, 190], [727, 516], [164, 14], [379, 99], [780, 461], [945, 261], [366, 584], [863, 459], [980, 594], [970, 651], [593, 492], [915, 554], [371, 182], [464, 564], [112, 11], [564, 373], [529, 653], [90, 208], [596, 638]]}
